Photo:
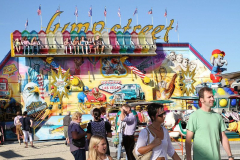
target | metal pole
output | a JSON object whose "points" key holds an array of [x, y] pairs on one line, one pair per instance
{"points": [[41, 21], [137, 18]]}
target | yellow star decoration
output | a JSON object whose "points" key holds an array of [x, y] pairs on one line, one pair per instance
{"points": [[60, 83], [188, 80]]}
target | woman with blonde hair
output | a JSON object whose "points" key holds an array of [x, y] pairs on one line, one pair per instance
{"points": [[76, 132], [98, 149]]}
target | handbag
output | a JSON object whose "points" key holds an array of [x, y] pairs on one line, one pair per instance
{"points": [[145, 156], [80, 143]]}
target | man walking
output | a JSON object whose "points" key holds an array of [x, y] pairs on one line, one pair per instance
{"points": [[128, 132], [208, 129], [66, 121]]}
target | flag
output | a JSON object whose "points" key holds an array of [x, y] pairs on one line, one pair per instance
{"points": [[176, 27], [150, 11], [58, 10], [105, 12], [119, 13], [26, 24], [165, 14], [76, 12], [39, 12], [135, 12], [90, 12], [134, 69]]}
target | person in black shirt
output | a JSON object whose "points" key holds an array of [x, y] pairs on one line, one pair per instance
{"points": [[66, 121], [27, 125], [99, 127]]}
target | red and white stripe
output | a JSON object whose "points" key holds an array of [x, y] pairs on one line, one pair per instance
{"points": [[40, 83], [63, 72], [137, 72]]}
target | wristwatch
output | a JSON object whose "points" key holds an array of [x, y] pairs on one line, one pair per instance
{"points": [[231, 156]]}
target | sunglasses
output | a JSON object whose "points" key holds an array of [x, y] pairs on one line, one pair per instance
{"points": [[161, 115]]}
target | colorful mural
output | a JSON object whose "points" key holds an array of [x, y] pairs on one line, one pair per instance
{"points": [[105, 79]]}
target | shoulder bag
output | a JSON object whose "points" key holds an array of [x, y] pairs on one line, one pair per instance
{"points": [[146, 156], [80, 143]]}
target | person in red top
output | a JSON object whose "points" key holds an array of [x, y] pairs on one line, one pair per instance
{"points": [[140, 115]]}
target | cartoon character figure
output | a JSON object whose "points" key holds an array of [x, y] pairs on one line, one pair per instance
{"points": [[82, 96], [96, 96], [217, 62], [55, 100]]}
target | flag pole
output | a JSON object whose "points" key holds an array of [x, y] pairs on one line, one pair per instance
{"points": [[76, 19], [166, 21], [152, 19], [137, 18], [105, 21], [178, 36], [120, 20], [41, 21], [91, 22]]}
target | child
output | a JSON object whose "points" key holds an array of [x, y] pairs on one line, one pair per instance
{"points": [[99, 44], [26, 44], [17, 45], [98, 149], [91, 45], [34, 43], [67, 45], [75, 44], [83, 43]]}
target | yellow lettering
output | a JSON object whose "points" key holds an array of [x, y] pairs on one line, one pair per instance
{"points": [[118, 26], [146, 29], [56, 28], [156, 30], [127, 27], [85, 25], [51, 21], [65, 27], [137, 27], [168, 29], [98, 23], [74, 25]]}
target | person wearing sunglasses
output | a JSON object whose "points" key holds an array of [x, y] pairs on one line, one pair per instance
{"points": [[159, 139]]}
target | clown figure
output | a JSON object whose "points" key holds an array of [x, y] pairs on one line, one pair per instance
{"points": [[217, 62]]}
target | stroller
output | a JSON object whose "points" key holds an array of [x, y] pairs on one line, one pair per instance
{"points": [[1, 135]]}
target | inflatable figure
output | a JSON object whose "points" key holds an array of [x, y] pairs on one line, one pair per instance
{"points": [[173, 121], [217, 62], [234, 126], [96, 96], [55, 100]]}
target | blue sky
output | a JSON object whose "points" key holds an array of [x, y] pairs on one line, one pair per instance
{"points": [[206, 24]]}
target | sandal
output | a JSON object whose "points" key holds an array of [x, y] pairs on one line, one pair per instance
{"points": [[26, 147]]}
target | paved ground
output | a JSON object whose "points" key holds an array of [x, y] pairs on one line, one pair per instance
{"points": [[56, 149]]}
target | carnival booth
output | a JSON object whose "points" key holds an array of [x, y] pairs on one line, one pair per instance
{"points": [[82, 68]]}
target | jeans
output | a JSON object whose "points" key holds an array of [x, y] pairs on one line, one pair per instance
{"points": [[36, 46], [79, 154], [24, 48], [120, 146]]}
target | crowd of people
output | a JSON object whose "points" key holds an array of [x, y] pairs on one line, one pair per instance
{"points": [[205, 127], [87, 45], [95, 45]]}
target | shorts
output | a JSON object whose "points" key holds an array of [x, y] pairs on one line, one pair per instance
{"points": [[19, 130], [65, 130]]}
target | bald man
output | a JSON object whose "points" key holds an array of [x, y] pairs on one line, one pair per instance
{"points": [[66, 121]]}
